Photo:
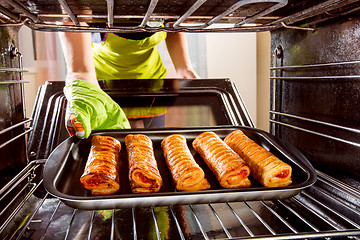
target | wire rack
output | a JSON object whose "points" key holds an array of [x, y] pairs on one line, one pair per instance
{"points": [[328, 209], [156, 15]]}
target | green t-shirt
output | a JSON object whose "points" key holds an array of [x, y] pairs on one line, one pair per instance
{"points": [[120, 58]]}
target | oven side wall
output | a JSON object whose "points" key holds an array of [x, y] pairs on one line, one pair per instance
{"points": [[315, 94], [12, 139]]}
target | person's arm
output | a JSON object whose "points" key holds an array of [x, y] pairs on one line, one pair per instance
{"points": [[89, 107], [176, 44], [78, 56]]}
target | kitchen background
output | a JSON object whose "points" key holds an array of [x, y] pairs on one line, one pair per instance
{"points": [[244, 58]]}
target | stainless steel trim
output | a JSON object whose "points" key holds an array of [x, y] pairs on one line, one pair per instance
{"points": [[339, 202], [2, 69], [19, 7], [331, 210], [260, 219], [6, 193], [279, 217], [113, 224], [134, 223], [110, 12], [323, 234], [176, 222], [317, 121], [296, 199], [40, 204], [91, 224], [237, 5], [15, 125], [20, 176], [316, 77], [203, 232], [7, 13], [20, 124], [241, 221], [221, 223], [16, 137], [310, 12], [316, 65], [13, 82], [273, 90], [53, 27], [148, 14], [68, 10], [70, 223], [187, 14], [298, 215], [52, 217], [338, 185], [19, 206], [280, 4], [237, 111], [156, 224], [154, 16], [32, 21], [296, 27], [316, 133]]}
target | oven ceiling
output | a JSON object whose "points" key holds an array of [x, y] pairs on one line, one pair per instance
{"points": [[192, 16]]}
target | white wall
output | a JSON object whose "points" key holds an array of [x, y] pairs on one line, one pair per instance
{"points": [[27, 50], [233, 56], [224, 55], [42, 57]]}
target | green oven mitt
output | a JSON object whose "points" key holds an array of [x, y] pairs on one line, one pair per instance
{"points": [[90, 108]]}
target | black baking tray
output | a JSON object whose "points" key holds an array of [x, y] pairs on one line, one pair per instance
{"points": [[66, 163]]}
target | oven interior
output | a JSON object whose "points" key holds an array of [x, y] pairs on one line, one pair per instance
{"points": [[314, 97]]}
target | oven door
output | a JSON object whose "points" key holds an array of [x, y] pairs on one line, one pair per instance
{"points": [[186, 103]]}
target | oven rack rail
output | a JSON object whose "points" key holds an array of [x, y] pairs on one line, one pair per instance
{"points": [[151, 21], [278, 75], [328, 209], [24, 123]]}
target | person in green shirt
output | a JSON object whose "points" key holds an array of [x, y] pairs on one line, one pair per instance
{"points": [[116, 56]]}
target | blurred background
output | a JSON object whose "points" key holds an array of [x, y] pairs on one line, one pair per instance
{"points": [[244, 58]]}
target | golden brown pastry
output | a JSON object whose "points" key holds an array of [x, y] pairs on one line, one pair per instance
{"points": [[144, 175], [229, 168], [269, 170], [186, 173], [101, 174]]}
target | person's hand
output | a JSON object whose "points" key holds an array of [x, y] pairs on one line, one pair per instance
{"points": [[90, 108], [187, 73]]}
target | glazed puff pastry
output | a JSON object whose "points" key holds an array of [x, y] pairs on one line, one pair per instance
{"points": [[229, 168], [144, 175], [101, 174], [267, 169], [186, 173]]}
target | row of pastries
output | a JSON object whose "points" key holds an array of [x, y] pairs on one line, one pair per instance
{"points": [[231, 160]]}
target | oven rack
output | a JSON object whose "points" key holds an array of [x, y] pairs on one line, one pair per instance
{"points": [[328, 209], [236, 16]]}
